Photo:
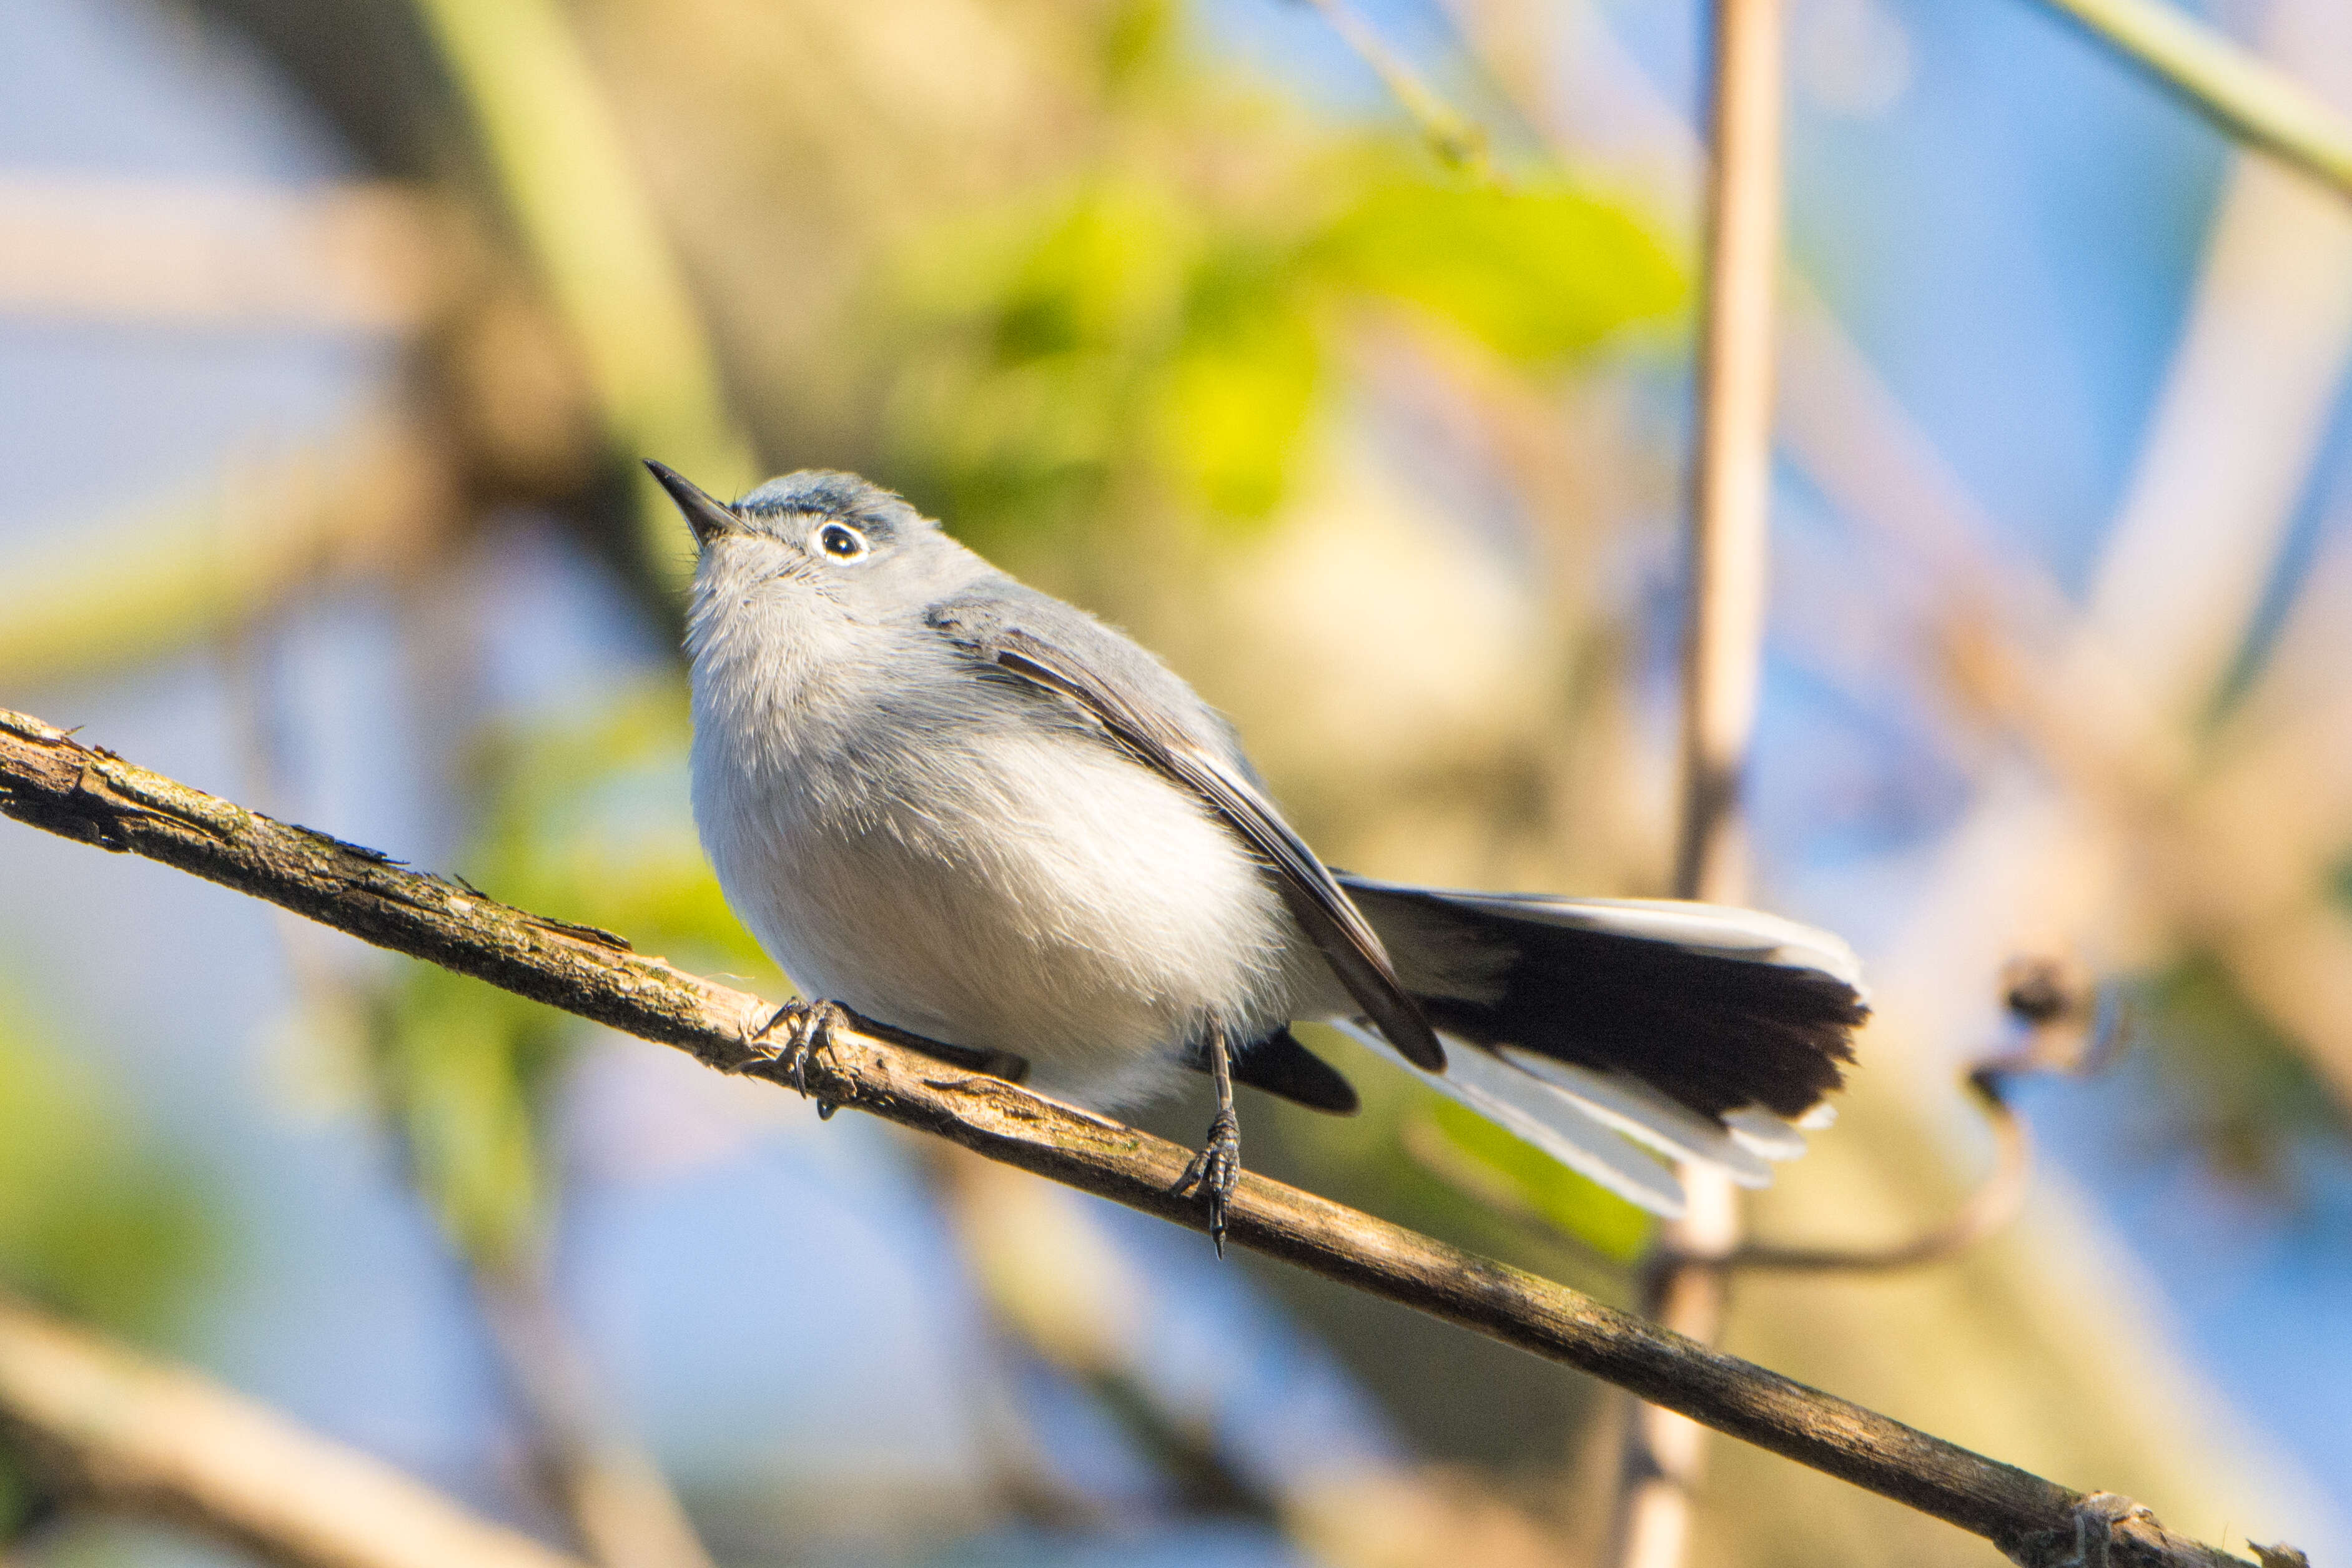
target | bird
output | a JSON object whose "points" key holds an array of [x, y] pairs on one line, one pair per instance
{"points": [[974, 814]]}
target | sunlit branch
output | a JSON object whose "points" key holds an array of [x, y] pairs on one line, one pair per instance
{"points": [[2232, 86], [111, 593], [118, 1431], [208, 257], [51, 780], [566, 176], [2065, 1034], [1451, 135], [1723, 637]]}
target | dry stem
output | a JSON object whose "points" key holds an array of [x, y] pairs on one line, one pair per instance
{"points": [[148, 1439]]}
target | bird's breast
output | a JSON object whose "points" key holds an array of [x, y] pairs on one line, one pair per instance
{"points": [[1000, 884]]}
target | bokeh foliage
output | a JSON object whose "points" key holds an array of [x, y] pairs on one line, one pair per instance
{"points": [[1125, 342], [1554, 1194], [1162, 327], [586, 822], [2234, 1089], [97, 1218]]}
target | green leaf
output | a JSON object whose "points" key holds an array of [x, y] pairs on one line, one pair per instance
{"points": [[94, 1220], [1109, 274], [1165, 329], [2242, 1091], [1503, 1166], [18, 1498], [465, 1069], [1237, 394], [1539, 274]]}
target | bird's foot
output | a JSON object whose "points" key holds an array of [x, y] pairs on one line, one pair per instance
{"points": [[1214, 1172], [808, 1028]]}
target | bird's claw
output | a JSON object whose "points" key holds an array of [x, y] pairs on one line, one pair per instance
{"points": [[808, 1028], [1214, 1173]]}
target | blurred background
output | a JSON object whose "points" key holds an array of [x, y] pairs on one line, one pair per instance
{"points": [[329, 332]]}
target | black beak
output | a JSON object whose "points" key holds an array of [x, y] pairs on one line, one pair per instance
{"points": [[705, 516]]}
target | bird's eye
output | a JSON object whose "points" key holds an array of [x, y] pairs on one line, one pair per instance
{"points": [[841, 543]]}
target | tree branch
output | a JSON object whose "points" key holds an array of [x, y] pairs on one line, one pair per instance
{"points": [[1456, 141], [142, 1437], [375, 494], [1723, 656], [2236, 88], [620, 1506], [52, 781], [549, 135]]}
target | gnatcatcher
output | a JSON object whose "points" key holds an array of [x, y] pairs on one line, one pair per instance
{"points": [[969, 811]]}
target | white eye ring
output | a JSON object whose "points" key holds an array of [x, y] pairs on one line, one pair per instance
{"points": [[840, 542]]}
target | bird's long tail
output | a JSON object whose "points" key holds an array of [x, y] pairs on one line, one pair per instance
{"points": [[1590, 1026]]}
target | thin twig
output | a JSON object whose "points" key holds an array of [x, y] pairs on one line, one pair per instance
{"points": [[135, 1436], [565, 176], [1722, 657], [2232, 86], [1986, 1210], [55, 782], [1059, 1292], [619, 1505], [376, 494], [1732, 481], [1989, 1208], [1456, 141], [2057, 1003]]}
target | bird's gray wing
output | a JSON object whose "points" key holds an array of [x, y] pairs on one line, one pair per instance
{"points": [[1087, 664]]}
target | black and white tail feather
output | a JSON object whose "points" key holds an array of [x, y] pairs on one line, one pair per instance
{"points": [[1609, 1032]]}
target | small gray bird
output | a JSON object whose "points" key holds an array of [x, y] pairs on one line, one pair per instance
{"points": [[972, 812]]}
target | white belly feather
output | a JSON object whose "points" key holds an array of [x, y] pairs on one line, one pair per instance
{"points": [[1092, 926]]}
